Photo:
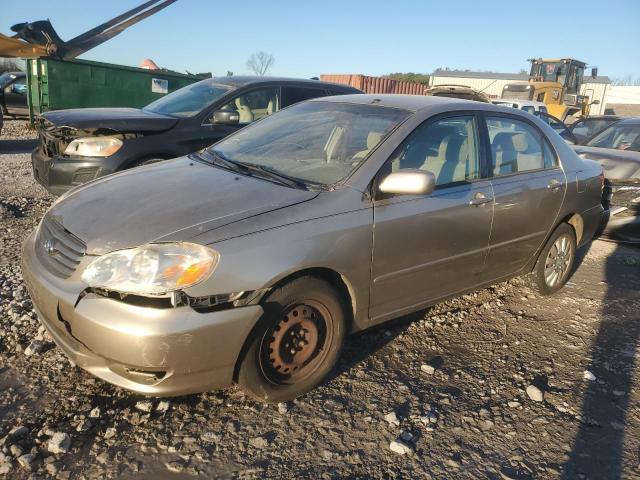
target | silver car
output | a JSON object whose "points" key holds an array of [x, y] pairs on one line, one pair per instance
{"points": [[250, 261]]}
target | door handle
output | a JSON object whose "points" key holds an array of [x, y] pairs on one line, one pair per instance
{"points": [[554, 185], [480, 199]]}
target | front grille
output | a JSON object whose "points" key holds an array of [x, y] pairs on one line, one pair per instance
{"points": [[59, 250], [84, 175]]}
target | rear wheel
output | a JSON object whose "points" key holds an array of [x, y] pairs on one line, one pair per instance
{"points": [[296, 343], [556, 260]]}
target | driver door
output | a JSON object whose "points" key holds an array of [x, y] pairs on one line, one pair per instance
{"points": [[251, 106], [429, 247]]}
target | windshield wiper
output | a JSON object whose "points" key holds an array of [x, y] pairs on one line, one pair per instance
{"points": [[273, 174], [217, 158], [252, 169]]}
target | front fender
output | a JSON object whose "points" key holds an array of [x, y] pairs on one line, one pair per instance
{"points": [[339, 242]]}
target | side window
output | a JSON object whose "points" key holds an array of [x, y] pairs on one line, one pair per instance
{"points": [[255, 104], [19, 86], [581, 128], [298, 94], [448, 148], [516, 147], [529, 109]]}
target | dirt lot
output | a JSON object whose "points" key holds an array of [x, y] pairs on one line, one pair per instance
{"points": [[501, 383]]}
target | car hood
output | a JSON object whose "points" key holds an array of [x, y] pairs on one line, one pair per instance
{"points": [[174, 200], [617, 164], [117, 119]]}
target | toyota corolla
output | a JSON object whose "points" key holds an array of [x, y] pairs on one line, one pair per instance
{"points": [[250, 261]]}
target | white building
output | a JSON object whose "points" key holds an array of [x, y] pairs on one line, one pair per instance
{"points": [[493, 83]]}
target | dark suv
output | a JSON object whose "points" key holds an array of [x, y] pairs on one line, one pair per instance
{"points": [[79, 145], [13, 95]]}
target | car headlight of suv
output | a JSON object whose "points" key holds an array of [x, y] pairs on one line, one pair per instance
{"points": [[152, 269], [94, 146]]}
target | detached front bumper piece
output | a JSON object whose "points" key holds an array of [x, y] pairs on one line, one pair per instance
{"points": [[153, 351]]}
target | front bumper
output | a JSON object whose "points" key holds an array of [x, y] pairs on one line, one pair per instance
{"points": [[153, 351], [59, 174]]}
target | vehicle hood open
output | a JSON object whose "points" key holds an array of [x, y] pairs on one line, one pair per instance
{"points": [[117, 119], [617, 164], [174, 200]]}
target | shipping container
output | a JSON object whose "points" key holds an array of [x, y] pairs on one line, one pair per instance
{"points": [[57, 85], [376, 84]]}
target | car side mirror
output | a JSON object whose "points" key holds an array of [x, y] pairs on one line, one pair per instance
{"points": [[225, 117], [408, 182]]}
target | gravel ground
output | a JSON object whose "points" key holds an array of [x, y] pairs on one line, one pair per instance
{"points": [[501, 383]]}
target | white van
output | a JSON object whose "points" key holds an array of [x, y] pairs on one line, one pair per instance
{"points": [[528, 106]]}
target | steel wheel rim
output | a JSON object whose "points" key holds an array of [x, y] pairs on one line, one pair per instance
{"points": [[558, 261], [296, 345]]}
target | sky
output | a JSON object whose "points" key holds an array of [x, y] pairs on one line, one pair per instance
{"points": [[309, 38]]}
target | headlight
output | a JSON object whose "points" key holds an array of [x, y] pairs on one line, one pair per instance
{"points": [[93, 146], [152, 269]]}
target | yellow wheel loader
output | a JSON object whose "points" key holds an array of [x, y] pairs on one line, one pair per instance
{"points": [[556, 83]]}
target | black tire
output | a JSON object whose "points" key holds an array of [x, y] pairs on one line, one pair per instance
{"points": [[555, 262], [306, 315]]}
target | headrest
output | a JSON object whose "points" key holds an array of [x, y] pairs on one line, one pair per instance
{"points": [[520, 142], [503, 141], [450, 148], [240, 103], [373, 139]]}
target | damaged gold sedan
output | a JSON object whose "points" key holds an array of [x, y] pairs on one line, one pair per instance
{"points": [[250, 261]]}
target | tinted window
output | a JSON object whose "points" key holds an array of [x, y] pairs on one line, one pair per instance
{"points": [[20, 86], [620, 137], [588, 127], [255, 104], [556, 124], [516, 146], [448, 148], [297, 94], [529, 109], [318, 142]]}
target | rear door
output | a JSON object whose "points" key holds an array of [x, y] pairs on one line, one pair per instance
{"points": [[429, 247], [528, 187], [292, 95]]}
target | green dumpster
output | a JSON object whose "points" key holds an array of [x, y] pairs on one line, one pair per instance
{"points": [[57, 85]]}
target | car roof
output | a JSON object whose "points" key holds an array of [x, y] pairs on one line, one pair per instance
{"points": [[412, 103], [243, 80]]}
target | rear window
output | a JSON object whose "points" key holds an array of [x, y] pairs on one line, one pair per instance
{"points": [[618, 137]]}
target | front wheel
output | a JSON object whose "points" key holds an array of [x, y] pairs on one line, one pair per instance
{"points": [[556, 260], [296, 343]]}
